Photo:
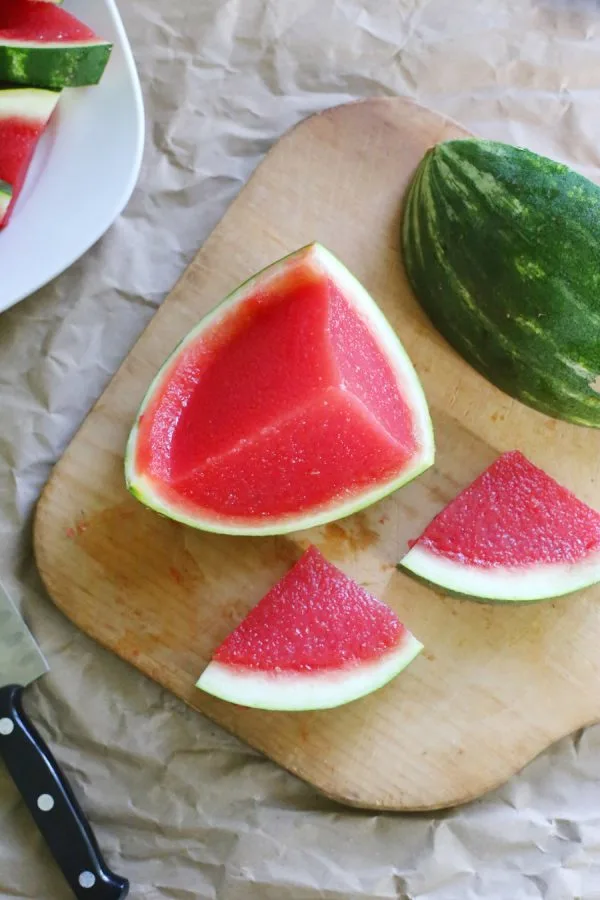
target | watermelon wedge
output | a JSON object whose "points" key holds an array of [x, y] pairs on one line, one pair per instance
{"points": [[513, 535], [315, 641], [24, 113], [42, 45], [292, 404]]}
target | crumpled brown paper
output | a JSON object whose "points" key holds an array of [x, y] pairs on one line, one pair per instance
{"points": [[181, 808]]}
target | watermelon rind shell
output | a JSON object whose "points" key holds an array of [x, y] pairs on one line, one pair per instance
{"points": [[53, 65], [5, 198], [502, 584], [141, 487], [301, 691], [35, 104], [502, 249]]}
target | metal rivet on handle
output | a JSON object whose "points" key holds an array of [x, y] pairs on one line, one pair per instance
{"points": [[7, 726], [87, 879], [45, 802]]}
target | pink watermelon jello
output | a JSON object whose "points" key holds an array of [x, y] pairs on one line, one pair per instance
{"points": [[316, 640], [514, 534]]}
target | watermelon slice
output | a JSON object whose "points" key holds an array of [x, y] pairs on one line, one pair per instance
{"points": [[513, 534], [45, 46], [292, 404], [315, 641], [24, 114]]}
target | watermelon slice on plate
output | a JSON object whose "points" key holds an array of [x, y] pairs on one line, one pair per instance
{"points": [[315, 641], [24, 113], [292, 404], [514, 534], [45, 46]]}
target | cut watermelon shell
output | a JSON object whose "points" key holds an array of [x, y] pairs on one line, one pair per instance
{"points": [[317, 640], [290, 405], [44, 46], [24, 113], [5, 200], [514, 534]]}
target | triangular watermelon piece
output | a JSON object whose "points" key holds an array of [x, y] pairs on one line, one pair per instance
{"points": [[43, 45], [514, 534], [315, 641], [291, 404], [24, 113]]}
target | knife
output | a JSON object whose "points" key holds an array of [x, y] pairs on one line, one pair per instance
{"points": [[36, 773]]}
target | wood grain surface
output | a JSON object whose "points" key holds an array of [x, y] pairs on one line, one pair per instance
{"points": [[496, 684]]}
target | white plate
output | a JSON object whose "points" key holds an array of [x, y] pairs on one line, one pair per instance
{"points": [[84, 170]]}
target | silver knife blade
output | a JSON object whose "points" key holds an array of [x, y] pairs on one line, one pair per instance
{"points": [[21, 660]]}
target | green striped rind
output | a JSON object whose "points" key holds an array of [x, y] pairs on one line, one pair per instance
{"points": [[55, 66], [502, 249], [5, 198]]}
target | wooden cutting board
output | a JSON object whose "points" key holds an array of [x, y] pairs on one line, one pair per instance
{"points": [[496, 684]]}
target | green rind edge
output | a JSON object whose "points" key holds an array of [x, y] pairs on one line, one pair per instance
{"points": [[291, 525], [442, 590], [54, 67], [502, 249], [5, 198], [414, 648]]}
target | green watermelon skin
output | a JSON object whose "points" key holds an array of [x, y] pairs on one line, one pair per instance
{"points": [[502, 249], [5, 198], [42, 45], [53, 67]]}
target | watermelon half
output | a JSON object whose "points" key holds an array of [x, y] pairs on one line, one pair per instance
{"points": [[292, 404], [514, 534], [44, 46], [315, 641], [24, 113]]}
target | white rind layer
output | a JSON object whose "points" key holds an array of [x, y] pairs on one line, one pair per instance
{"points": [[323, 262], [502, 584], [5, 198], [24, 44], [35, 104], [298, 691]]}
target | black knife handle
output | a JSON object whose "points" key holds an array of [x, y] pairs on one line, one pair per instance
{"points": [[53, 805]]}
